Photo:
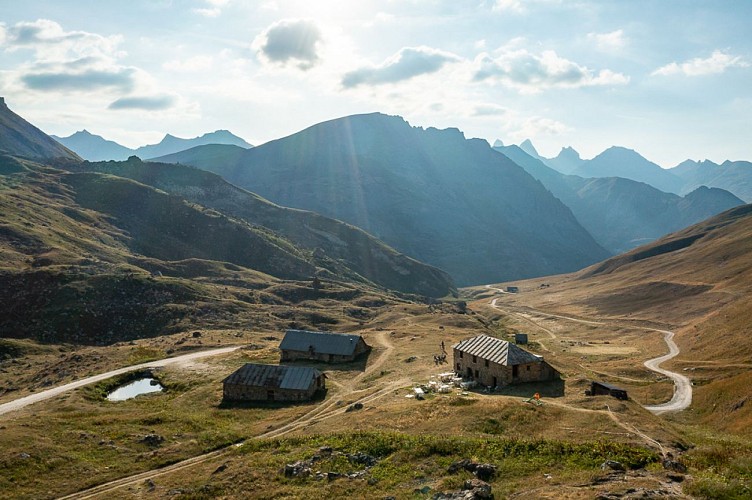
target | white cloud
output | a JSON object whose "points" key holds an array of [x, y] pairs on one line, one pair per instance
{"points": [[607, 42], [718, 62], [290, 42], [408, 63], [79, 62], [213, 8], [488, 109], [508, 6], [192, 64], [145, 102], [531, 73]]}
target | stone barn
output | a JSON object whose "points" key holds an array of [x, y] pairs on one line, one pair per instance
{"points": [[322, 346], [257, 382], [495, 363]]}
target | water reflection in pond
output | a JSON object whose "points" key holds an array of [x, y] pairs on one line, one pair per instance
{"points": [[135, 388]]}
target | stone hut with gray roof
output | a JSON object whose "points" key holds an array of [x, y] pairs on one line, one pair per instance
{"points": [[494, 362], [322, 346], [257, 382]]}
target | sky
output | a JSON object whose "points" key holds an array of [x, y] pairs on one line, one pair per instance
{"points": [[671, 79]]}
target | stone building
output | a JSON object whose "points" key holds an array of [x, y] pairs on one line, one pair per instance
{"points": [[494, 362], [257, 382], [322, 346]]}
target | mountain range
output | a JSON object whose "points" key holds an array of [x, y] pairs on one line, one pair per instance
{"points": [[733, 176], [96, 148], [620, 213], [448, 201], [85, 241]]}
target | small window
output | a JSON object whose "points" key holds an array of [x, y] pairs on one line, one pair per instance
{"points": [[458, 367], [460, 354], [475, 358], [528, 367], [486, 363], [476, 373]]}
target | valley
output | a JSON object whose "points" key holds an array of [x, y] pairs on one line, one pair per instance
{"points": [[117, 270]]}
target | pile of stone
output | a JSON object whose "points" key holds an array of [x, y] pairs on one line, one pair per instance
{"points": [[304, 468], [473, 489], [481, 471]]}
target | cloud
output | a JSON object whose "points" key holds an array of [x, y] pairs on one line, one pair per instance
{"points": [[148, 103], [718, 62], [86, 80], [489, 110], [51, 42], [508, 6], [409, 62], [290, 41], [213, 9], [606, 42], [530, 72], [192, 64]]}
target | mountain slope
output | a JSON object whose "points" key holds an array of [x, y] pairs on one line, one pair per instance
{"points": [[206, 154], [628, 164], [432, 194], [94, 147], [621, 213], [19, 137], [171, 144], [341, 249], [734, 176]]}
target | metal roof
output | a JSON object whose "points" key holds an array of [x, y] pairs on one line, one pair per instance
{"points": [[323, 342], [274, 376], [608, 386], [496, 350]]}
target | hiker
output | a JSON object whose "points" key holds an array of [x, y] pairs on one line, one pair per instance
{"points": [[442, 346]]}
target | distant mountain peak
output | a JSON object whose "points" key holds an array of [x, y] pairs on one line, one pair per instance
{"points": [[527, 146], [568, 153]]}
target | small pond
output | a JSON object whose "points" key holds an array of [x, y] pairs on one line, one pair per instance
{"points": [[135, 388]]}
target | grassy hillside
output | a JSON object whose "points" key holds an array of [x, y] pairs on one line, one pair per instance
{"points": [[696, 282], [96, 259], [336, 247], [19, 137]]}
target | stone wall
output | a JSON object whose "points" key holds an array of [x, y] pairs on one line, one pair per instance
{"points": [[492, 374]]}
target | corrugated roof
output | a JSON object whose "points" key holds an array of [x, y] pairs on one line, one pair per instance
{"points": [[274, 376], [496, 350], [323, 342]]}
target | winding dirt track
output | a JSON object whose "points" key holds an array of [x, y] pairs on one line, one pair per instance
{"points": [[56, 391], [682, 397], [321, 412]]}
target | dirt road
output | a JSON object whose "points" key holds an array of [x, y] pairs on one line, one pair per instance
{"points": [[324, 411], [56, 391], [682, 385], [682, 397]]}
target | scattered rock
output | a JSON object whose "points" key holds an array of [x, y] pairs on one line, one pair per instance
{"points": [[362, 459], [613, 465], [219, 469], [356, 406], [676, 478], [482, 471], [150, 485], [411, 359], [176, 491], [325, 450], [196, 335], [331, 476], [297, 469], [674, 466], [24, 456], [152, 439], [472, 489]]}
